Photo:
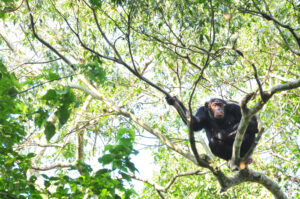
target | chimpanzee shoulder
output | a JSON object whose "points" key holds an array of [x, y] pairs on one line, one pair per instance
{"points": [[201, 118], [233, 109], [202, 111]]}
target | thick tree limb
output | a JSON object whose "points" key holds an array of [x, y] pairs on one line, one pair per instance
{"points": [[253, 145], [202, 161], [248, 175], [247, 114], [264, 180]]}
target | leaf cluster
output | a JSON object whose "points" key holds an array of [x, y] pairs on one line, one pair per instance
{"points": [[118, 155]]}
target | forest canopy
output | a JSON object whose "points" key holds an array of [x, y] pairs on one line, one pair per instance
{"points": [[83, 86]]}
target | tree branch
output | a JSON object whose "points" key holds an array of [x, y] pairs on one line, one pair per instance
{"points": [[7, 195], [276, 89], [95, 93], [7, 43], [45, 145], [264, 180], [171, 182], [32, 26], [54, 166], [248, 114], [80, 134], [277, 23], [253, 145]]}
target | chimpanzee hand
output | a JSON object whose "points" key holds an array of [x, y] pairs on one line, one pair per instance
{"points": [[235, 127], [171, 100], [232, 133]]}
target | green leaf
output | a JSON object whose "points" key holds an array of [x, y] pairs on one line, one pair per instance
{"points": [[131, 166], [49, 130], [96, 3], [51, 95], [125, 132], [95, 72], [33, 179], [40, 117], [31, 155], [52, 76], [44, 176], [63, 114], [100, 172], [106, 159]]}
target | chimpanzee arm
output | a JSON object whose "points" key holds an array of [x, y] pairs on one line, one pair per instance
{"points": [[236, 111], [253, 126], [182, 111], [197, 120], [201, 119]]}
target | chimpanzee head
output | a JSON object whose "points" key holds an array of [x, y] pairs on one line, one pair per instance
{"points": [[216, 108]]}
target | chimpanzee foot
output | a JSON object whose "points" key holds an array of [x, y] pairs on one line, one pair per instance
{"points": [[228, 163], [243, 165], [249, 161], [229, 166]]}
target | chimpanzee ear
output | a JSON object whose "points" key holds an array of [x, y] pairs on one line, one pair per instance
{"points": [[206, 105]]}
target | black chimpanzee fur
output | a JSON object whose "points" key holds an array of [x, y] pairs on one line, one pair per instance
{"points": [[221, 132]]}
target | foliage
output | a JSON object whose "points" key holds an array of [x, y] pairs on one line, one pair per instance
{"points": [[13, 167], [82, 81]]}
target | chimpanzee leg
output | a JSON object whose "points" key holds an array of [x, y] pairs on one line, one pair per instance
{"points": [[247, 142], [220, 149]]}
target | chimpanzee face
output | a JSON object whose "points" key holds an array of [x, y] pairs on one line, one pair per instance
{"points": [[216, 108]]}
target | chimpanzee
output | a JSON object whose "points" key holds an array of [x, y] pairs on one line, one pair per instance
{"points": [[220, 121]]}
